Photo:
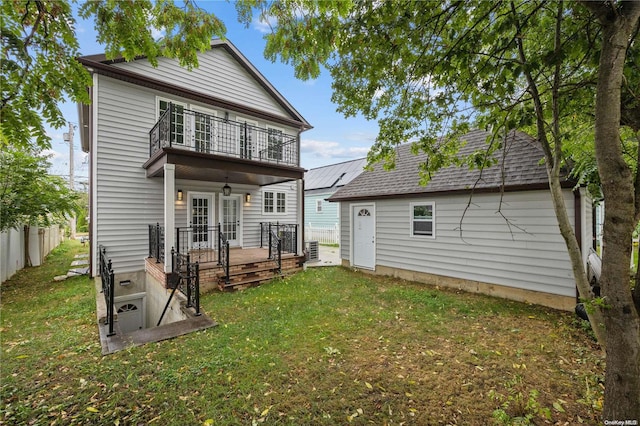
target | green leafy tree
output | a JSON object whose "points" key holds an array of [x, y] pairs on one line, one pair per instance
{"points": [[29, 196], [40, 45], [565, 72]]}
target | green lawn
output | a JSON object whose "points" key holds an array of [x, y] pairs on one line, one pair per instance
{"points": [[326, 346]]}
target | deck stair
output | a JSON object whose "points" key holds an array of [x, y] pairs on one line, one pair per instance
{"points": [[249, 274]]}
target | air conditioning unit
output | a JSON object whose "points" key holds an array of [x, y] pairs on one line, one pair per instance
{"points": [[313, 251]]}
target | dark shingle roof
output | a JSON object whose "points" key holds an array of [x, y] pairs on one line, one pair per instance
{"points": [[521, 155], [334, 175]]}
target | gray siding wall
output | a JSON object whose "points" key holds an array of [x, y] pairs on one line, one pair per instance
{"points": [[126, 200], [329, 215], [218, 74], [527, 252]]}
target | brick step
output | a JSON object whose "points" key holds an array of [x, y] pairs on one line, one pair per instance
{"points": [[246, 282]]}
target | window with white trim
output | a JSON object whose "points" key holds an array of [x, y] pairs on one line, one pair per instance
{"points": [[274, 202], [423, 219], [318, 206]]}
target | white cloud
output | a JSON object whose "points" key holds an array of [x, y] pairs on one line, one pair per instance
{"points": [[332, 150], [263, 25]]}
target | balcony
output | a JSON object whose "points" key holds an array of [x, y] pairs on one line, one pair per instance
{"points": [[209, 148]]}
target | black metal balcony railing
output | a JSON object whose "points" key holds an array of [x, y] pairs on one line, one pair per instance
{"points": [[195, 131]]}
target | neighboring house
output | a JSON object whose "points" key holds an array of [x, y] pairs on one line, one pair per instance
{"points": [[189, 160], [321, 218], [493, 232]]}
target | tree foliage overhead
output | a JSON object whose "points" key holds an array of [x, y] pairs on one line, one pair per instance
{"points": [[40, 44], [566, 72], [29, 195]]}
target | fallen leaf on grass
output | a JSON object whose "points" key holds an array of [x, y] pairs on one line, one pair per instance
{"points": [[92, 409]]}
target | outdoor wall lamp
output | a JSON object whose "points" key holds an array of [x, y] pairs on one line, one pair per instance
{"points": [[226, 189], [247, 198], [179, 194]]}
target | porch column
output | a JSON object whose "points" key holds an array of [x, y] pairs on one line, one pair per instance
{"points": [[169, 213], [300, 215]]}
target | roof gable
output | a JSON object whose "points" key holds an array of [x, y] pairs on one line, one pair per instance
{"points": [[520, 166], [224, 77]]}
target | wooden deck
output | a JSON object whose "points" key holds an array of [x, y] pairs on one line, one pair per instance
{"points": [[247, 268]]}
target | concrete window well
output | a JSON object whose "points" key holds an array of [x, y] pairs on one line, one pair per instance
{"points": [[145, 311]]}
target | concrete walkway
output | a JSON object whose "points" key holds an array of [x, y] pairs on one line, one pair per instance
{"points": [[329, 256]]}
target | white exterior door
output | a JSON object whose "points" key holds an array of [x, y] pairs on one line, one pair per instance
{"points": [[231, 219], [364, 236], [201, 221], [131, 312]]}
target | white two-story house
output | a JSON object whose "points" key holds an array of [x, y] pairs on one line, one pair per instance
{"points": [[191, 161]]}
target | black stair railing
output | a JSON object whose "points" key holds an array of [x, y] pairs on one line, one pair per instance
{"points": [[156, 242], [185, 276], [275, 249], [223, 254], [107, 277]]}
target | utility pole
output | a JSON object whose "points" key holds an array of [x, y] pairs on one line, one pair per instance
{"points": [[68, 137]]}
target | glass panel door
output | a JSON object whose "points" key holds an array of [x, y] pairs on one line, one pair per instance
{"points": [[200, 222], [230, 215]]}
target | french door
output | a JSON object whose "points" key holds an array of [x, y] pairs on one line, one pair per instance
{"points": [[201, 220], [231, 219]]}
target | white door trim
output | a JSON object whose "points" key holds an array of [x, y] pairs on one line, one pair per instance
{"points": [[352, 209]]}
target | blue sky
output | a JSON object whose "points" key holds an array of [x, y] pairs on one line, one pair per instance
{"points": [[333, 139]]}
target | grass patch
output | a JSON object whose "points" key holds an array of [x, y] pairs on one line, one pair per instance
{"points": [[326, 346]]}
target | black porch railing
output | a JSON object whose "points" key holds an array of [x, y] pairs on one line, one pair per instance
{"points": [[156, 242], [179, 127], [287, 233], [223, 255], [186, 278], [107, 278], [200, 241]]}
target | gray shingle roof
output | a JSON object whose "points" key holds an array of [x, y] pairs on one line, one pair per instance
{"points": [[521, 155], [334, 175]]}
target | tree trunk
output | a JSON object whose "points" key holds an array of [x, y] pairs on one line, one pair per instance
{"points": [[622, 320], [27, 257]]}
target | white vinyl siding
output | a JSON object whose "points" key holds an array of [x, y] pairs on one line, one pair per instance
{"points": [[524, 251], [126, 201], [218, 75]]}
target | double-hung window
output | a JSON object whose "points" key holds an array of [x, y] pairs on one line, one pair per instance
{"points": [[318, 206], [274, 202], [423, 219]]}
